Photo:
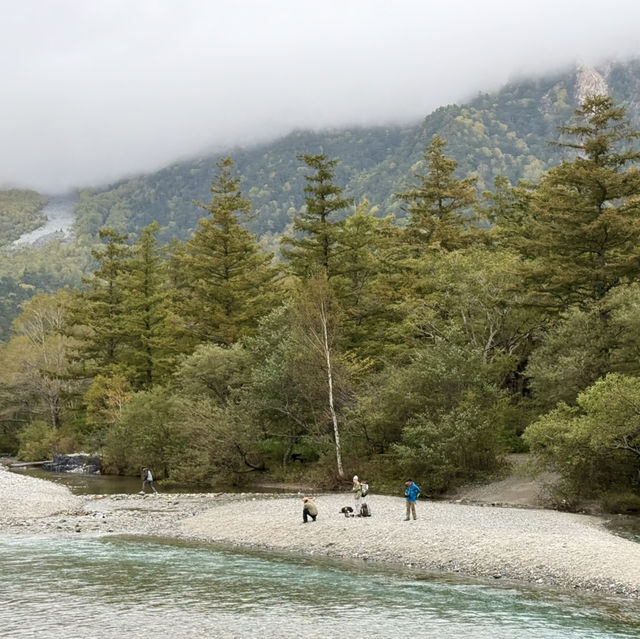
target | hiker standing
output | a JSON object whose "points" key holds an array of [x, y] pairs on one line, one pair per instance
{"points": [[411, 492], [309, 509], [147, 480], [357, 493]]}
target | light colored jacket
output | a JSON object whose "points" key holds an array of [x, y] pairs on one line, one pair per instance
{"points": [[311, 508], [357, 489]]}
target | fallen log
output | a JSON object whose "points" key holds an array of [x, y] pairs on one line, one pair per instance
{"points": [[25, 464]]}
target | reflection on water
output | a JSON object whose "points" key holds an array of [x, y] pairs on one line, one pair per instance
{"points": [[123, 588], [627, 526], [81, 484]]}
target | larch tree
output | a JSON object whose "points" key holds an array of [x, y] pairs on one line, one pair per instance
{"points": [[100, 306], [360, 250]]}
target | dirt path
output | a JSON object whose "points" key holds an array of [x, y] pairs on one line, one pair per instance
{"points": [[523, 487]]}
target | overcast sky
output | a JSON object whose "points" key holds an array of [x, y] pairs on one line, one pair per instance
{"points": [[93, 90]]}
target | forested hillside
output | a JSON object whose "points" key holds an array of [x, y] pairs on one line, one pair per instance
{"points": [[20, 212], [505, 133]]}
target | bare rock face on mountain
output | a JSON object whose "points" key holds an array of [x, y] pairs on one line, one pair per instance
{"points": [[589, 82]]}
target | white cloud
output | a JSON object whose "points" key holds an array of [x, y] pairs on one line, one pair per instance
{"points": [[96, 90]]}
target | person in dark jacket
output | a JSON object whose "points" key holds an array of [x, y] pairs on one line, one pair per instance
{"points": [[411, 492], [309, 509]]}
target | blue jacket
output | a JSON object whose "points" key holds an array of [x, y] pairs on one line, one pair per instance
{"points": [[412, 492]]}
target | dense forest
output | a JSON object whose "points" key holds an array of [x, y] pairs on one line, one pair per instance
{"points": [[477, 326]]}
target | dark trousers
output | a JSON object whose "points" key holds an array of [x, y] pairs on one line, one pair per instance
{"points": [[306, 515], [145, 483]]}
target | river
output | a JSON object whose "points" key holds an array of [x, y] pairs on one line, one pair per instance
{"points": [[112, 588], [60, 212]]}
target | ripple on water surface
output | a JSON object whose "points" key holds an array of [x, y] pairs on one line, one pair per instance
{"points": [[54, 587]]}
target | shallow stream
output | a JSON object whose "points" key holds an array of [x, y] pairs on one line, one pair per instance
{"points": [[112, 588]]}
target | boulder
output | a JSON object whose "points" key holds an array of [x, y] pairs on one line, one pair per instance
{"points": [[74, 463]]}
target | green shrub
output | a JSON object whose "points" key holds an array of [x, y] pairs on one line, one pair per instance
{"points": [[593, 445], [37, 441], [450, 450], [9, 439], [621, 502]]}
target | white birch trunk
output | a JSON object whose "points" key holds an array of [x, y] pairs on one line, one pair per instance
{"points": [[332, 410]]}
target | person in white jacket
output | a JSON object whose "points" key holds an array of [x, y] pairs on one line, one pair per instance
{"points": [[147, 480], [357, 493]]}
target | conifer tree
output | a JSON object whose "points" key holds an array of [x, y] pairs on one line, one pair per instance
{"points": [[100, 307], [361, 247], [315, 229], [439, 203], [146, 317], [224, 282], [582, 231]]}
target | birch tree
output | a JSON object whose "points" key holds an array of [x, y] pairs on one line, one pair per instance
{"points": [[315, 320]]}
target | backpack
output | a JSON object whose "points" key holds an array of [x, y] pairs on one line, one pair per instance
{"points": [[365, 488], [365, 510]]}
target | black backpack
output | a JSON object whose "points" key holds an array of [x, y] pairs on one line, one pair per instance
{"points": [[365, 511]]}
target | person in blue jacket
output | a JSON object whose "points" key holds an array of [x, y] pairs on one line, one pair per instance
{"points": [[411, 492]]}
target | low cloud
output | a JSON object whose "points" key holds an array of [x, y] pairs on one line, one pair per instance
{"points": [[95, 91]]}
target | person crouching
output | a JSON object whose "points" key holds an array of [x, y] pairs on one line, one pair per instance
{"points": [[309, 509]]}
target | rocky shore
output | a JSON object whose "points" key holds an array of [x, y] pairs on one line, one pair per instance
{"points": [[525, 545]]}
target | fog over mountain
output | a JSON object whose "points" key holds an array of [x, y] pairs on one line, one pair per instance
{"points": [[96, 91]]}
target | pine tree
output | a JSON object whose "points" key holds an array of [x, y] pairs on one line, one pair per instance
{"points": [[582, 231], [439, 205], [225, 283], [315, 229]]}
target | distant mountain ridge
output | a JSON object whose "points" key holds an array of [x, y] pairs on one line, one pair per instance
{"points": [[502, 133]]}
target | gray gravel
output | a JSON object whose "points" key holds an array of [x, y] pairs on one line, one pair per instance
{"points": [[526, 545], [27, 497]]}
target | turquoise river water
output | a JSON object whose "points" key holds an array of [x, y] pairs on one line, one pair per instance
{"points": [[107, 588]]}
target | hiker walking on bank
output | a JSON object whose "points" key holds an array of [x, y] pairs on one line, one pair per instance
{"points": [[411, 492], [147, 480]]}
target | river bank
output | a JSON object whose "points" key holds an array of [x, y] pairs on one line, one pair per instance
{"points": [[542, 547]]}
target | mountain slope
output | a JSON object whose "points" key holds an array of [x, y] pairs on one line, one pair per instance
{"points": [[505, 133]]}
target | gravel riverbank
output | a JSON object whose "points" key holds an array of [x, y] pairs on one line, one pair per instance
{"points": [[533, 546]]}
